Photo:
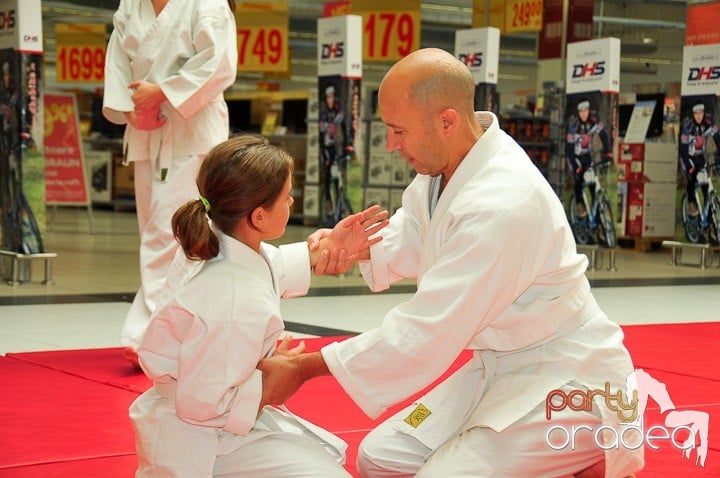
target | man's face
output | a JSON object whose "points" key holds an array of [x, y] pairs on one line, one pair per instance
{"points": [[583, 114], [698, 116], [330, 100], [411, 130]]}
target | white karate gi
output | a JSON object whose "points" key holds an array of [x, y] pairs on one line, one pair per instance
{"points": [[216, 320], [190, 51], [497, 272]]}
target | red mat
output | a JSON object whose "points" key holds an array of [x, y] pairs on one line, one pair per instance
{"points": [[48, 416], [687, 349], [69, 408]]}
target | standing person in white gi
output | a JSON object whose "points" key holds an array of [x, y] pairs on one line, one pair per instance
{"points": [[498, 273], [168, 63], [219, 314]]}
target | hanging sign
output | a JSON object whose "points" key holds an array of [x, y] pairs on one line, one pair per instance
{"points": [[262, 36], [391, 30], [80, 53]]}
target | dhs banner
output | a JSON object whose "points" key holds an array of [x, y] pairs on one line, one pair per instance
{"points": [[593, 65], [337, 55], [338, 123], [479, 49], [701, 70], [21, 25]]}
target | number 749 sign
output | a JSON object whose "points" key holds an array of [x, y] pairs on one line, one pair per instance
{"points": [[262, 36]]}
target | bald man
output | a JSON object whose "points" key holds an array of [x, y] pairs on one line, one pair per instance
{"points": [[497, 272]]}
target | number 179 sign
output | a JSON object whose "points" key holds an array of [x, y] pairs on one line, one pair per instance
{"points": [[391, 30]]}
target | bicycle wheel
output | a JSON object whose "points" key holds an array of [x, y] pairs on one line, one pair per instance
{"points": [[580, 225], [714, 219], [606, 223], [691, 224], [342, 208]]}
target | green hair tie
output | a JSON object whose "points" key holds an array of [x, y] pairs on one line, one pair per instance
{"points": [[205, 202]]}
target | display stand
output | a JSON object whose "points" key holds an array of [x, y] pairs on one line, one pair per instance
{"points": [[706, 256], [17, 259]]}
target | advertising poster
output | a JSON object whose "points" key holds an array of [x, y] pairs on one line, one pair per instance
{"points": [[65, 181], [479, 49], [591, 116], [699, 145], [339, 90], [22, 189]]}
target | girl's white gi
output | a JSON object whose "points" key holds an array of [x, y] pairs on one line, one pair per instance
{"points": [[190, 51], [497, 272], [216, 320]]}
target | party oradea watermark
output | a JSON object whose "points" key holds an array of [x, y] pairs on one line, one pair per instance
{"points": [[629, 406]]}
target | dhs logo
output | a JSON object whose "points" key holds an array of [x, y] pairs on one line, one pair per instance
{"points": [[704, 73], [471, 59], [588, 69], [7, 20], [332, 50]]}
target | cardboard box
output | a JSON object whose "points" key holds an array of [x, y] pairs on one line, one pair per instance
{"points": [[379, 170], [650, 210], [647, 162], [380, 196], [99, 174], [123, 178]]}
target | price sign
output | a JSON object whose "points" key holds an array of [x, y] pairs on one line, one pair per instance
{"points": [[523, 16], [262, 36], [80, 53], [391, 30]]}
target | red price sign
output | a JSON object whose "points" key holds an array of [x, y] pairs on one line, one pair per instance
{"points": [[80, 53], [80, 64], [389, 33], [262, 36], [523, 16], [262, 49]]}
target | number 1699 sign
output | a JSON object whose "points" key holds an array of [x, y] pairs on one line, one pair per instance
{"points": [[80, 63]]}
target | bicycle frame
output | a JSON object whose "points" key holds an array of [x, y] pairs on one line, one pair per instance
{"points": [[707, 220], [599, 221]]}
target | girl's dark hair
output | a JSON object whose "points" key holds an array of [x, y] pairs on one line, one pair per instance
{"points": [[236, 177]]}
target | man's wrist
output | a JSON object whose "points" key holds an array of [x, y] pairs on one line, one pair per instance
{"points": [[310, 365]]}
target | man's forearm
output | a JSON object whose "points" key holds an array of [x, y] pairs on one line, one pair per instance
{"points": [[310, 365]]}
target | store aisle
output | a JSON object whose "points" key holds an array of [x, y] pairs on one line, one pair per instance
{"points": [[96, 277]]}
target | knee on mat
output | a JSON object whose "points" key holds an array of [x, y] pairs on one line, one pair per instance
{"points": [[382, 456]]}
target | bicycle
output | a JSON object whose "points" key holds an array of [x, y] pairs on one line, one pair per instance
{"points": [[705, 224], [598, 224], [338, 204]]}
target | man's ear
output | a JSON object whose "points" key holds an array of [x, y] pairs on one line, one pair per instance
{"points": [[448, 121]]}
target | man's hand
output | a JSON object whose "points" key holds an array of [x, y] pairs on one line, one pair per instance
{"points": [[348, 241], [283, 375], [280, 380], [283, 347]]}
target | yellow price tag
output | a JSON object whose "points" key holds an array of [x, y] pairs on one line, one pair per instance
{"points": [[262, 36], [80, 53], [389, 32], [523, 16]]}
